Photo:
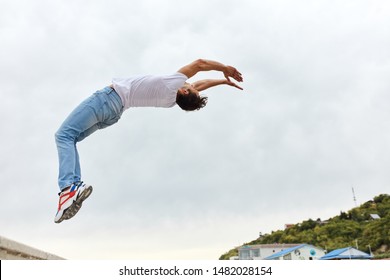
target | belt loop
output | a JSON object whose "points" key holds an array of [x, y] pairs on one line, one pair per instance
{"points": [[108, 90]]}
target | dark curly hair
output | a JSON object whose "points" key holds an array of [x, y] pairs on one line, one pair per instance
{"points": [[191, 101]]}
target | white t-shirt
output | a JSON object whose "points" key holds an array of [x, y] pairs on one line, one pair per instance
{"points": [[149, 91]]}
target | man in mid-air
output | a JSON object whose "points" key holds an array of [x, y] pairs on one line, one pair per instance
{"points": [[105, 108]]}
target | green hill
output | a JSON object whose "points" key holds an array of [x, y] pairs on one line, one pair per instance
{"points": [[356, 226]]}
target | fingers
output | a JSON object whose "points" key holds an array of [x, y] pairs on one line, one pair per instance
{"points": [[234, 73], [237, 76], [238, 87], [234, 85]]}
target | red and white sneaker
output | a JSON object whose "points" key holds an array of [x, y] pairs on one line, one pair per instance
{"points": [[71, 201]]}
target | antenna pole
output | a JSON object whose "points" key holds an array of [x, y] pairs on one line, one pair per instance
{"points": [[354, 197]]}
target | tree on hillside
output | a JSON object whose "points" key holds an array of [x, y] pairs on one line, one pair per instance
{"points": [[351, 228]]}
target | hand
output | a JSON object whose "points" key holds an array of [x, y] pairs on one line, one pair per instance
{"points": [[230, 83], [230, 71]]}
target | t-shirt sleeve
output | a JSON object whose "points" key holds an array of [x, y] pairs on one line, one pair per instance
{"points": [[175, 81]]}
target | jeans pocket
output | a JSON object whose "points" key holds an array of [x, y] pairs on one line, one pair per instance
{"points": [[109, 113]]}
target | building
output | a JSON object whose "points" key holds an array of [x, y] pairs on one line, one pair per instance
{"points": [[374, 217], [261, 251], [348, 253], [299, 252]]}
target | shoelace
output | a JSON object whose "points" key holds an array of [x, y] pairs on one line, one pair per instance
{"points": [[77, 184]]}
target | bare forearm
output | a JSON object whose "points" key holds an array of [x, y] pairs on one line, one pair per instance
{"points": [[228, 71], [201, 65], [208, 65], [208, 83]]}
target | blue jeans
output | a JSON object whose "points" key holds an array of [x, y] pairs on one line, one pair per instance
{"points": [[99, 111]]}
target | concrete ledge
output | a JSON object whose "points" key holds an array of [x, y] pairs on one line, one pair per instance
{"points": [[12, 250]]}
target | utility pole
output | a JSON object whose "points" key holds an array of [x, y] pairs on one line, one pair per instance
{"points": [[354, 197]]}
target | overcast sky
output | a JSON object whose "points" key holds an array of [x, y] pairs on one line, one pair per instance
{"points": [[312, 122]]}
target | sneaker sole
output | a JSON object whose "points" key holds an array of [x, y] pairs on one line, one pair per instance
{"points": [[75, 207]]}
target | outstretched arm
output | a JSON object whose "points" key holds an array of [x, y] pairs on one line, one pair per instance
{"points": [[208, 65], [205, 84]]}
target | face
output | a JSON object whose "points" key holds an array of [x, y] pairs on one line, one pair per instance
{"points": [[186, 89]]}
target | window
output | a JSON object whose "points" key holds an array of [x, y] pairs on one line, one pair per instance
{"points": [[256, 253], [244, 254]]}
